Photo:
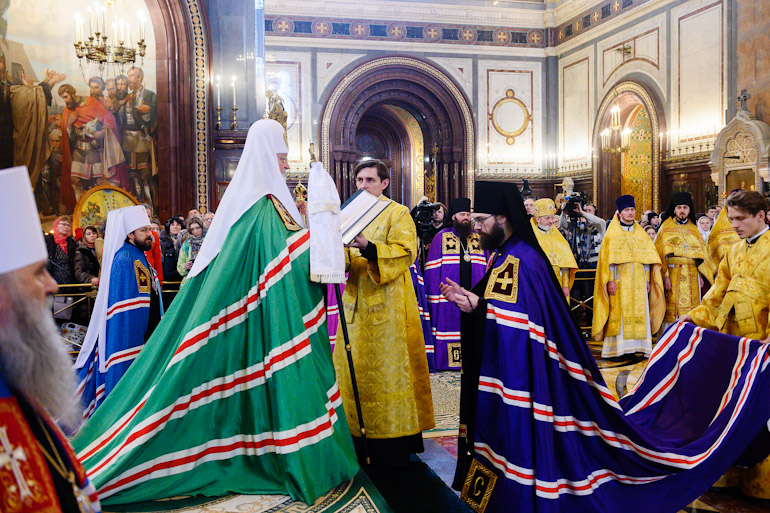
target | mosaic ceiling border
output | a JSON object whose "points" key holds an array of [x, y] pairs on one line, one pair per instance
{"points": [[447, 33]]}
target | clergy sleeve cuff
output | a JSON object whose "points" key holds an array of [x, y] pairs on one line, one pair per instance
{"points": [[370, 252]]}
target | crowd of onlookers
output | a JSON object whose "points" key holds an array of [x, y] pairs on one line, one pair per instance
{"points": [[74, 258]]}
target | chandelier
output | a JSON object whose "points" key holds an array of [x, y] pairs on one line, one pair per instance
{"points": [[98, 47], [609, 134]]}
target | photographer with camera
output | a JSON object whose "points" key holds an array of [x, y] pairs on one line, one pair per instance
{"points": [[584, 232], [429, 218]]}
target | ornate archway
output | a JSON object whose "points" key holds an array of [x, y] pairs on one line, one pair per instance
{"points": [[640, 111], [183, 146], [420, 88]]}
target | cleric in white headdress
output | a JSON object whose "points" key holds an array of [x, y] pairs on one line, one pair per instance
{"points": [[127, 308], [235, 392], [39, 471]]}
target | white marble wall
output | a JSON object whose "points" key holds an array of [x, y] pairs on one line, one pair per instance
{"points": [[516, 89], [289, 74], [576, 103], [679, 53]]}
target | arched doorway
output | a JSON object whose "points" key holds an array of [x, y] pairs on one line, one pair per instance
{"points": [[393, 96], [636, 170]]}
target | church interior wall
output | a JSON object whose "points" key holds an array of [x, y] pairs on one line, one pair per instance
{"points": [[679, 51], [753, 55]]}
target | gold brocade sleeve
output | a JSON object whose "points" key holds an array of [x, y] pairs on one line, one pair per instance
{"points": [[602, 300], [396, 246], [705, 314], [657, 298]]}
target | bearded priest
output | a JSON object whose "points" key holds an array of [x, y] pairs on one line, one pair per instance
{"points": [[628, 294], [685, 258]]}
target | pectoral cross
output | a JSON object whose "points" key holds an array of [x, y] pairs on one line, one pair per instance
{"points": [[10, 458], [744, 98]]}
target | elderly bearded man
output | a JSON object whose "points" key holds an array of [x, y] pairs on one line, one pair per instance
{"points": [[628, 293], [40, 471], [554, 244], [454, 253], [684, 256], [385, 332]]}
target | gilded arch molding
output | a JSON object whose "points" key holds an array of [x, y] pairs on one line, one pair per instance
{"points": [[434, 72], [656, 115]]}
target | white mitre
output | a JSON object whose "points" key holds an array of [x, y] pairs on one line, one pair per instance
{"points": [[120, 223], [21, 222]]}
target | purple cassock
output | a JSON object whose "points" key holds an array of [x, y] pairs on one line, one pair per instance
{"points": [[422, 305], [546, 429], [448, 258]]}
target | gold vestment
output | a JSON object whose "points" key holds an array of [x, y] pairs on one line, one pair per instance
{"points": [[385, 333], [721, 237], [684, 255], [739, 304], [739, 301], [559, 254], [630, 252]]}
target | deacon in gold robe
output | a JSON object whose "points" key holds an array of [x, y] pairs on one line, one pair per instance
{"points": [[739, 302], [684, 257], [554, 244], [721, 237], [628, 293], [385, 332]]}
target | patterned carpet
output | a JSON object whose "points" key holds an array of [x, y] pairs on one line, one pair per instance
{"points": [[445, 387], [356, 496]]}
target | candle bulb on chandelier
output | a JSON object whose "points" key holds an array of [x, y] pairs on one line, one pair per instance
{"points": [[219, 92], [104, 21], [89, 23]]}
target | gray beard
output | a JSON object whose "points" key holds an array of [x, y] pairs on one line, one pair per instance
{"points": [[34, 360]]}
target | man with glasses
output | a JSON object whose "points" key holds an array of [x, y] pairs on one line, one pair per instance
{"points": [[519, 280]]}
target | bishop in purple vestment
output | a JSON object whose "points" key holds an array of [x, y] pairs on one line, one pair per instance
{"points": [[455, 253]]}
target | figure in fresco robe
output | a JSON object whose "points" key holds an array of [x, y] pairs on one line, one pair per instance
{"points": [[90, 149], [385, 331], [628, 294], [684, 257], [138, 118], [29, 109]]}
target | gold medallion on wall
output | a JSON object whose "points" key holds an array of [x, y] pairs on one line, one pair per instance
{"points": [[510, 135]]}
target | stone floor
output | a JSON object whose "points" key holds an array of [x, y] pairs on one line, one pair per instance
{"points": [[620, 374]]}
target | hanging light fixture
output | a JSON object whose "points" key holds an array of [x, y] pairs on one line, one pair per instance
{"points": [[608, 134]]}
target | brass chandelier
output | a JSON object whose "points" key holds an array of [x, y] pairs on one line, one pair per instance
{"points": [[99, 47], [608, 134]]}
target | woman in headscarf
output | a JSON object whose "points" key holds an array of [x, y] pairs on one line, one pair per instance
{"points": [[196, 232]]}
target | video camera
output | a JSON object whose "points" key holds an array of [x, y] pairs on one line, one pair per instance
{"points": [[571, 208], [423, 218]]}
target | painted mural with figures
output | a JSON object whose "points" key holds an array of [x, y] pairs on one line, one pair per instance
{"points": [[79, 109]]}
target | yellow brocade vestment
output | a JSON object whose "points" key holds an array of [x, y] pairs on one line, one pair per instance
{"points": [[629, 251], [739, 301], [385, 334], [559, 254], [739, 304], [683, 254], [721, 237]]}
